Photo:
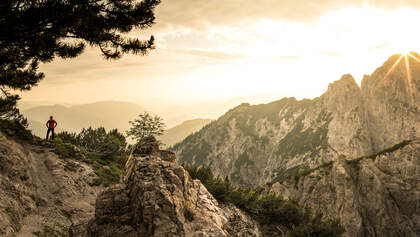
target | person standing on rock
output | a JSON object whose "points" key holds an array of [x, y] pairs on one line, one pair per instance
{"points": [[51, 124]]}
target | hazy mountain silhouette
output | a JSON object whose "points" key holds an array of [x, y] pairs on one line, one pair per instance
{"points": [[178, 133], [110, 114]]}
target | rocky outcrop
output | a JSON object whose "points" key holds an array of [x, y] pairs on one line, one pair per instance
{"points": [[372, 196], [392, 101], [159, 198], [39, 190]]}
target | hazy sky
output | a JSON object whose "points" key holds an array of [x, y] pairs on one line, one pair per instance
{"points": [[223, 49]]}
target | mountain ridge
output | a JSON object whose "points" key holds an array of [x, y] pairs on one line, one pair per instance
{"points": [[254, 145]]}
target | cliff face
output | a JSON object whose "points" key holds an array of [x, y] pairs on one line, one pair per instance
{"points": [[38, 190], [257, 144], [159, 198], [260, 144], [392, 101], [373, 196]]}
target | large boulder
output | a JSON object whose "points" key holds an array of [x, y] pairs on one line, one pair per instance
{"points": [[159, 198]]}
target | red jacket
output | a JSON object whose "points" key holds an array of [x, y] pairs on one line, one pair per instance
{"points": [[51, 123]]}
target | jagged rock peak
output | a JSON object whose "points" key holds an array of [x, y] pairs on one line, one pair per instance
{"points": [[146, 146], [346, 83], [395, 68], [150, 146], [159, 198]]}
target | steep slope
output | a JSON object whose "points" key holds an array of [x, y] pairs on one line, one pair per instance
{"points": [[256, 144], [269, 143], [373, 196], [392, 101], [253, 145], [179, 132], [110, 114], [39, 190], [159, 198]]}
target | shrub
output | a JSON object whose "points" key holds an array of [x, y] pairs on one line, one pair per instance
{"points": [[97, 140], [269, 210], [14, 128], [383, 152], [108, 174], [105, 151]]}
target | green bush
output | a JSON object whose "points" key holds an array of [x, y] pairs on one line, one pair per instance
{"points": [[105, 151], [66, 150], [109, 174], [383, 152], [269, 210], [97, 140]]}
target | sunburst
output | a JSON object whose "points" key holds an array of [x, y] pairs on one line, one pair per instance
{"points": [[414, 57], [393, 67], [410, 83]]}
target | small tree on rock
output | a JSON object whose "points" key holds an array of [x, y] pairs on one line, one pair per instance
{"points": [[146, 125]]}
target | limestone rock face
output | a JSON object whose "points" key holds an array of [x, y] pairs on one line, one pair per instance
{"points": [[348, 132], [39, 189], [159, 198], [258, 144], [372, 197], [392, 101]]}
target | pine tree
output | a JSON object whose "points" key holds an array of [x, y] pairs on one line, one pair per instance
{"points": [[35, 31]]}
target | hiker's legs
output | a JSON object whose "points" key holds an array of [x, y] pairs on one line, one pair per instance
{"points": [[48, 133], [52, 133]]}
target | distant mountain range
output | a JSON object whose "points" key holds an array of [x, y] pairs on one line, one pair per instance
{"points": [[109, 114], [178, 133]]}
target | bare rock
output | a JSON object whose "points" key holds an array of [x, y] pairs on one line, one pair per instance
{"points": [[371, 197], [159, 198], [36, 189]]}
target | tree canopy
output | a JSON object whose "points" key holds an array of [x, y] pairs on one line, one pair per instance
{"points": [[146, 125], [37, 31]]}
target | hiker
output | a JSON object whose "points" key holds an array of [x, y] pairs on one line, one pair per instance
{"points": [[51, 124]]}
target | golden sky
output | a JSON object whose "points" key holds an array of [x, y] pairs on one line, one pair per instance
{"points": [[218, 50]]}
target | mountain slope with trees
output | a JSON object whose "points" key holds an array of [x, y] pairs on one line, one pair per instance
{"points": [[255, 145]]}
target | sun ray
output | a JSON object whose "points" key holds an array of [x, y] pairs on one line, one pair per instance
{"points": [[414, 57], [390, 70], [410, 85], [393, 66]]}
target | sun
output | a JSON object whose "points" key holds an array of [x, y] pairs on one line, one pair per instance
{"points": [[405, 58]]}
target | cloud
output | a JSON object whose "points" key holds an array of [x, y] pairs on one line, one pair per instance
{"points": [[212, 54], [202, 13]]}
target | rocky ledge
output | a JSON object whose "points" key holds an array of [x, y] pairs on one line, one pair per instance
{"points": [[159, 198]]}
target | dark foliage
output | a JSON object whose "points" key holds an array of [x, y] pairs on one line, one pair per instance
{"points": [[97, 140], [15, 128], [273, 212], [35, 31], [383, 152], [299, 171], [106, 151]]}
